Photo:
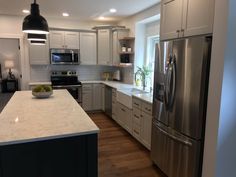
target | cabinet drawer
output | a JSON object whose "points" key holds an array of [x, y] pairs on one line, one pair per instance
{"points": [[87, 87], [137, 103], [146, 107], [137, 116], [136, 131]]}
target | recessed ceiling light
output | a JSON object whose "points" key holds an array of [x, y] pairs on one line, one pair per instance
{"points": [[26, 11], [113, 10], [101, 18], [65, 14]]}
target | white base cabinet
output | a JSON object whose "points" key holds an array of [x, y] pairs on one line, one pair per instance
{"points": [[124, 117], [114, 105], [142, 122], [92, 97]]}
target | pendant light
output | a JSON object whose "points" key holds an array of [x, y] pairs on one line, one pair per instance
{"points": [[35, 23], [37, 43], [37, 37]]}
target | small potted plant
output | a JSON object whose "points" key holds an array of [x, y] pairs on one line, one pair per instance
{"points": [[143, 72]]}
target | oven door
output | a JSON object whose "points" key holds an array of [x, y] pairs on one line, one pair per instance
{"points": [[74, 90]]}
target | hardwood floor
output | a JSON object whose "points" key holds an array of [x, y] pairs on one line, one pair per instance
{"points": [[120, 155]]}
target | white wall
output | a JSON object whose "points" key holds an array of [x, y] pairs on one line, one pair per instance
{"points": [[9, 51], [220, 144], [131, 21]]}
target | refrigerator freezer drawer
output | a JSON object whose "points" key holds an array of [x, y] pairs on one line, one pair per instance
{"points": [[175, 156]]}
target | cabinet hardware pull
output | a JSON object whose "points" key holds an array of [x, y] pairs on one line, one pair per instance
{"points": [[136, 132], [177, 31], [123, 110], [136, 104], [182, 30], [136, 116]]}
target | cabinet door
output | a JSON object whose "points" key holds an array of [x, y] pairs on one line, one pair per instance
{"points": [[87, 97], [97, 97], [88, 48], [56, 39], [103, 97], [104, 47], [119, 114], [171, 18], [39, 54], [115, 49], [198, 17], [146, 129], [71, 40]]}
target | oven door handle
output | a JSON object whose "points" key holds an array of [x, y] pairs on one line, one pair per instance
{"points": [[66, 86]]}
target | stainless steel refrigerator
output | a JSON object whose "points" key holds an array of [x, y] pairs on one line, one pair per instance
{"points": [[179, 105]]}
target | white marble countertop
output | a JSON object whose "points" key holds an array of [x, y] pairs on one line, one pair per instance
{"points": [[39, 83], [148, 97], [145, 97], [27, 119]]}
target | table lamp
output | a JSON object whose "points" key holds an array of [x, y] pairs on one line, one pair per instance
{"points": [[9, 64]]}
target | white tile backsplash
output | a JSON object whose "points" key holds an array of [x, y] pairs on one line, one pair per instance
{"points": [[94, 72]]}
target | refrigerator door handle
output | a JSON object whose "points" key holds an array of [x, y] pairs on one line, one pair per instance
{"points": [[167, 85], [173, 66], [175, 138]]}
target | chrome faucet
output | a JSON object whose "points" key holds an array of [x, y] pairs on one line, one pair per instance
{"points": [[143, 77]]}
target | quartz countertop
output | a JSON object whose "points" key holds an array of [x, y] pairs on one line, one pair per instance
{"points": [[119, 86], [39, 83], [27, 119]]}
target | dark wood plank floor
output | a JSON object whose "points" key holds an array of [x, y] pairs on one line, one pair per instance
{"points": [[120, 155]]}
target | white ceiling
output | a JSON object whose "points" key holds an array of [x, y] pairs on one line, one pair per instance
{"points": [[84, 10]]}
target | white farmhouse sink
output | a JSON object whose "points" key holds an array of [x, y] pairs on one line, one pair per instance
{"points": [[124, 96]]}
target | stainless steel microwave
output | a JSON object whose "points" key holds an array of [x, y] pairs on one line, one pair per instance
{"points": [[65, 56]]}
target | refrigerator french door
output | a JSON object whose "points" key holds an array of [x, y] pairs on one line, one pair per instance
{"points": [[179, 105]]}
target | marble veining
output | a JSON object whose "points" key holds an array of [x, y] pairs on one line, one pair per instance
{"points": [[27, 119]]}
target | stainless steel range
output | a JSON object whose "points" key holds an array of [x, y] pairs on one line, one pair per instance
{"points": [[67, 80]]}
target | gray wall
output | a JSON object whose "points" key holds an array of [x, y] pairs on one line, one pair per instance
{"points": [[226, 147]]}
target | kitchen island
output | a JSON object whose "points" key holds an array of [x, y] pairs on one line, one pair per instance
{"points": [[51, 137]]}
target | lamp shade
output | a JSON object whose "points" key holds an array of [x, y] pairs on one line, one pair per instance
{"points": [[9, 64], [35, 23], [36, 37], [37, 43]]}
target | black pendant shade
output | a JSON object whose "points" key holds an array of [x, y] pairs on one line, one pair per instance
{"points": [[35, 23], [37, 37], [37, 43]]}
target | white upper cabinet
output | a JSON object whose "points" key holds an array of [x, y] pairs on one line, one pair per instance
{"points": [[64, 39], [71, 40], [171, 18], [104, 47], [183, 18], [88, 48], [200, 17], [56, 39], [39, 54]]}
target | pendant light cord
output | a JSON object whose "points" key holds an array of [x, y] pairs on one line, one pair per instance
{"points": [[35, 2]]}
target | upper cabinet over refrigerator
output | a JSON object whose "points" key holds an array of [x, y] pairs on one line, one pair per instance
{"points": [[184, 18]]}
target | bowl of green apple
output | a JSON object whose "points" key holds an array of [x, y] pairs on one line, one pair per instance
{"points": [[42, 91]]}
